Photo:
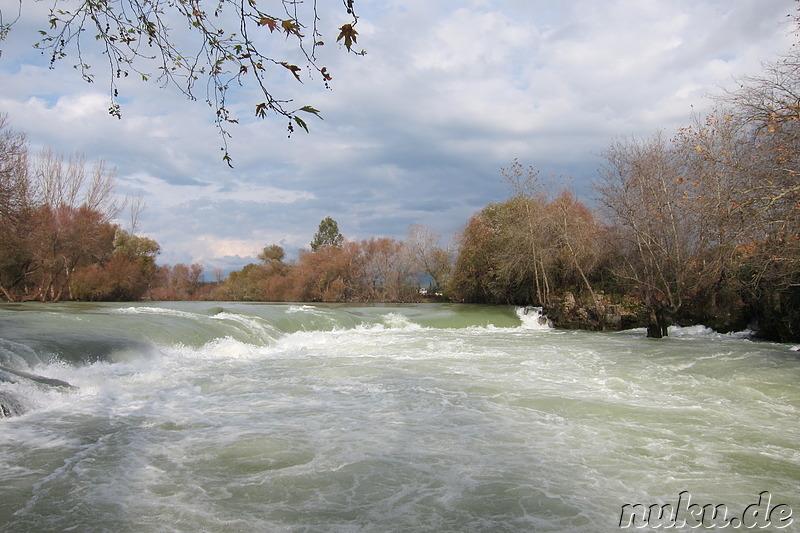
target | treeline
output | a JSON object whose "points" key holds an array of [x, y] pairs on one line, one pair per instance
{"points": [[57, 236], [332, 270], [700, 226], [59, 241]]}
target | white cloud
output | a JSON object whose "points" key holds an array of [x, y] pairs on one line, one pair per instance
{"points": [[415, 131]]}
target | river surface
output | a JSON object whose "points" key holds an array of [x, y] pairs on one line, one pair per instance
{"points": [[434, 417]]}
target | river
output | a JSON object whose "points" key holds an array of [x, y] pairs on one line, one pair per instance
{"points": [[221, 416]]}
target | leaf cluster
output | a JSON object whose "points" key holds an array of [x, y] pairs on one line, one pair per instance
{"points": [[195, 45]]}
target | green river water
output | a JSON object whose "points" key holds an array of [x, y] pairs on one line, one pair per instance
{"points": [[221, 416]]}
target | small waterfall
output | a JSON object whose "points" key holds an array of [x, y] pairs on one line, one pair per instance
{"points": [[533, 318]]}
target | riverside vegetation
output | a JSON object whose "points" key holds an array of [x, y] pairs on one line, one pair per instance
{"points": [[701, 226]]}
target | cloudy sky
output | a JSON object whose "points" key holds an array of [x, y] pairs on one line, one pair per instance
{"points": [[415, 132]]}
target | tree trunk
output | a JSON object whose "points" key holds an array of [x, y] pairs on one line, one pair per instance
{"points": [[658, 326], [7, 294]]}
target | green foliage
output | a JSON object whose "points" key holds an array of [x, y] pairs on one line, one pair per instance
{"points": [[473, 272], [245, 284], [493, 264], [527, 249], [272, 254], [327, 235], [135, 246]]}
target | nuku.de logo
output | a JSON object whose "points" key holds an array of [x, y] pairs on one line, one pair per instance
{"points": [[758, 515]]}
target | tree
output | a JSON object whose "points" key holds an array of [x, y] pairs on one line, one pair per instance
{"points": [[768, 108], [58, 239], [56, 223], [77, 209], [14, 179], [494, 262], [327, 235], [125, 276], [244, 284], [387, 275], [178, 282], [182, 43], [136, 247], [274, 282], [576, 234], [530, 230], [474, 269], [642, 190], [428, 258], [330, 274], [268, 280], [374, 270], [716, 157], [67, 225], [65, 239], [66, 183], [272, 254], [16, 208]]}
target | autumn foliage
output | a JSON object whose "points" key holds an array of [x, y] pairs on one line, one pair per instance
{"points": [[700, 226], [374, 270], [709, 219], [58, 241], [529, 250]]}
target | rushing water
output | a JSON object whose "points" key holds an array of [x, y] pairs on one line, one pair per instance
{"points": [[278, 417]]}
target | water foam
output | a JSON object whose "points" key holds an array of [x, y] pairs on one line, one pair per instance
{"points": [[301, 309], [263, 331], [388, 425], [398, 321], [533, 318], [156, 311]]}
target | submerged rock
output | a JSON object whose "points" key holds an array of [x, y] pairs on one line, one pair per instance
{"points": [[7, 377], [10, 375], [10, 405], [572, 314]]}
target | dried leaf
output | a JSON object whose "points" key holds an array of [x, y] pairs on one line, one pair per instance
{"points": [[294, 68], [271, 23], [348, 33], [291, 27]]}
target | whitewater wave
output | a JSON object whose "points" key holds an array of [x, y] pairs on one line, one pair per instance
{"points": [[302, 309], [263, 331], [139, 337], [700, 331], [692, 332], [391, 418], [155, 311], [534, 318], [398, 321], [18, 355]]}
